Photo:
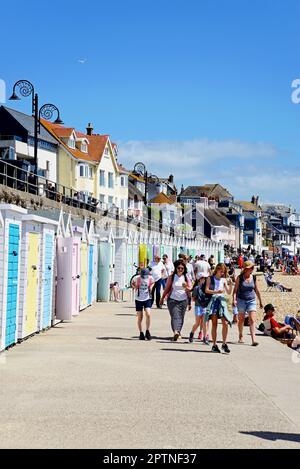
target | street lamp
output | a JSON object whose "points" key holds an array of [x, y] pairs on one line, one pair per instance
{"points": [[25, 88], [140, 168]]}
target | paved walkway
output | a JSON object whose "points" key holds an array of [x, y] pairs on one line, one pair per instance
{"points": [[92, 384]]}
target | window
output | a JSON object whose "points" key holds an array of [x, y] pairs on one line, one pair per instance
{"points": [[111, 180], [81, 170], [106, 151], [85, 171], [102, 178], [110, 200], [71, 143], [84, 147], [102, 198], [123, 181]]}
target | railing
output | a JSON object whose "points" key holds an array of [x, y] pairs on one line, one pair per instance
{"points": [[17, 178]]}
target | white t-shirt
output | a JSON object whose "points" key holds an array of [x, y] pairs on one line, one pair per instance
{"points": [[219, 285], [202, 267], [178, 292], [156, 271], [169, 268], [142, 293], [190, 270]]}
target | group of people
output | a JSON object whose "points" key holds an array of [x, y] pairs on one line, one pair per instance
{"points": [[206, 285]]}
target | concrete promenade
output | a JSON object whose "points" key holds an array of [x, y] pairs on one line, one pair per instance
{"points": [[92, 384]]}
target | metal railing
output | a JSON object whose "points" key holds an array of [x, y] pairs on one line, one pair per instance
{"points": [[16, 177]]}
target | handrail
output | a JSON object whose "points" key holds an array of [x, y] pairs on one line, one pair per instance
{"points": [[27, 181]]}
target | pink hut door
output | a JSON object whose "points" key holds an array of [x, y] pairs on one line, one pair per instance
{"points": [[75, 278]]}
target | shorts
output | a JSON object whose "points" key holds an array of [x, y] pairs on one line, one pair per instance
{"points": [[140, 305], [244, 306], [200, 310]]}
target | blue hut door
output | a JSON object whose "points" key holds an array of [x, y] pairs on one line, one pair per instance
{"points": [[90, 285], [12, 284], [48, 275]]}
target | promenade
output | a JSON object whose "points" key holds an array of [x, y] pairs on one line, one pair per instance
{"points": [[92, 384]]}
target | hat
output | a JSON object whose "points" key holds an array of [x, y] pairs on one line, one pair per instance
{"points": [[203, 274], [248, 265], [269, 307], [144, 273]]}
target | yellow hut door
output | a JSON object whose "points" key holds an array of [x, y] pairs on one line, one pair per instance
{"points": [[83, 299], [32, 284]]}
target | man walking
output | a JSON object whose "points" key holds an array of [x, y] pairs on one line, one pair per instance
{"points": [[158, 272]]}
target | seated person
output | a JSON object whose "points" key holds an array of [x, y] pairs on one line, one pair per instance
{"points": [[269, 279], [116, 291], [273, 328]]}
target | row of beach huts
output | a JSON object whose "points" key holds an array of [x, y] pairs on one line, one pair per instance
{"points": [[53, 265]]}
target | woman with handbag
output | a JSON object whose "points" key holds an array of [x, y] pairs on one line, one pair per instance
{"points": [[178, 291]]}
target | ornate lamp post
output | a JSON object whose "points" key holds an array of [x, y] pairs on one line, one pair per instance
{"points": [[25, 89]]}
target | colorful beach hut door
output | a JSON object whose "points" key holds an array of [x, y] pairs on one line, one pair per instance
{"points": [[12, 284], [47, 281], [90, 273], [83, 283], [32, 284], [75, 277]]}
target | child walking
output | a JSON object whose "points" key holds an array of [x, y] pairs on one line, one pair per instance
{"points": [[143, 284], [201, 301]]}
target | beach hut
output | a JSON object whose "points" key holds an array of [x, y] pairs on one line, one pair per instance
{"points": [[36, 277], [135, 249], [121, 268], [68, 272], [105, 266], [143, 250], [93, 261], [10, 247]]}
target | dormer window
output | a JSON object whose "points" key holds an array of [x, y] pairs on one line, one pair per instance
{"points": [[84, 147], [71, 143]]}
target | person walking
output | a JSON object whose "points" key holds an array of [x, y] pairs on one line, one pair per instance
{"points": [[217, 287], [211, 262], [244, 297], [178, 291], [201, 302], [158, 272], [142, 284], [169, 269], [202, 267]]}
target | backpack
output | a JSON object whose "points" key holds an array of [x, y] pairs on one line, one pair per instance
{"points": [[202, 297]]}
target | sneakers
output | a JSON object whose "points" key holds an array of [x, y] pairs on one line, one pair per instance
{"points": [[176, 336], [200, 335], [225, 348], [191, 338], [216, 349], [206, 340], [142, 337], [148, 335]]}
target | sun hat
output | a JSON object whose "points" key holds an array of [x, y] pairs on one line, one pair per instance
{"points": [[203, 274], [248, 265]]}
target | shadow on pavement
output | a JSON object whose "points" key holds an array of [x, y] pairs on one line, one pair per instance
{"points": [[116, 338], [186, 350], [273, 436], [125, 314]]}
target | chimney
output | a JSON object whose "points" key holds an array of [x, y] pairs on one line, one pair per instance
{"points": [[171, 178], [253, 199], [89, 129]]}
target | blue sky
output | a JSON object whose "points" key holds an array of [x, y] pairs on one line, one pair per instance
{"points": [[197, 88]]}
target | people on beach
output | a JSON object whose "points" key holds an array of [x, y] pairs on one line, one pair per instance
{"points": [[202, 267], [244, 297], [217, 287], [178, 292], [274, 328], [158, 272], [143, 284]]}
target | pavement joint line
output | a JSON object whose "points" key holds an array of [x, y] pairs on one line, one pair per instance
{"points": [[266, 396]]}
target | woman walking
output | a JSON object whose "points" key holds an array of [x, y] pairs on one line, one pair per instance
{"points": [[244, 297], [178, 291], [142, 284], [217, 286]]}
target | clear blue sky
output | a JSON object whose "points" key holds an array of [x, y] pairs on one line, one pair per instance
{"points": [[193, 72]]}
